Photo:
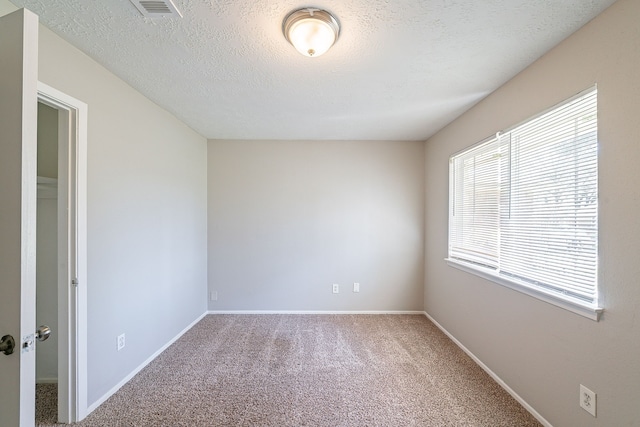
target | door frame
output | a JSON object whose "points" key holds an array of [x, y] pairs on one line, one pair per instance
{"points": [[72, 252]]}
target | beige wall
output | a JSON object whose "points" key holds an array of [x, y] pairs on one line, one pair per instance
{"points": [[541, 351], [287, 219], [47, 287], [47, 141], [47, 244], [146, 215]]}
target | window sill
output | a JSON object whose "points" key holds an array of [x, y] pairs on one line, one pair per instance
{"points": [[586, 310]]}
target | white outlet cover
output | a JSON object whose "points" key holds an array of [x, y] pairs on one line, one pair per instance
{"points": [[120, 342], [336, 288], [587, 400], [356, 287]]}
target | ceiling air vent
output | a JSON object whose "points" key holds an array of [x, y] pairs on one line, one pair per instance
{"points": [[156, 8]]}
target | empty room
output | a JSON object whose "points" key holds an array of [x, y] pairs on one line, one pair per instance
{"points": [[252, 213]]}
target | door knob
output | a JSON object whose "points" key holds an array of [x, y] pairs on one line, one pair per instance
{"points": [[43, 333], [7, 344]]}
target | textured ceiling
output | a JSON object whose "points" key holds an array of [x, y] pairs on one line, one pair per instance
{"points": [[401, 70]]}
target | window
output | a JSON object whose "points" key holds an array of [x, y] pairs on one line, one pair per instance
{"points": [[523, 206]]}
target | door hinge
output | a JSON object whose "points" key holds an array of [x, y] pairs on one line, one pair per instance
{"points": [[74, 282]]}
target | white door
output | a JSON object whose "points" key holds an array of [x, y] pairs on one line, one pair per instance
{"points": [[18, 115]]}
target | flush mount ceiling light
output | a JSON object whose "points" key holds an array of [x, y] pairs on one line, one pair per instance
{"points": [[311, 31]]}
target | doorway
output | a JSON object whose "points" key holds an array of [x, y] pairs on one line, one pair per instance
{"points": [[61, 286], [47, 264]]}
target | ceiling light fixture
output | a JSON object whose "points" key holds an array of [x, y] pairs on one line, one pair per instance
{"points": [[311, 31]]}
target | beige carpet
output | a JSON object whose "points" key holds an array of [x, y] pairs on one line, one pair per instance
{"points": [[311, 370]]}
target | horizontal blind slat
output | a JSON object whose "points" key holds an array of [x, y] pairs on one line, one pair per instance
{"points": [[526, 202]]}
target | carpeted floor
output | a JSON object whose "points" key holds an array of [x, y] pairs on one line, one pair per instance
{"points": [[309, 370], [46, 404]]}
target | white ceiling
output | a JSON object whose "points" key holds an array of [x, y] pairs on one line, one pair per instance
{"points": [[401, 69]]}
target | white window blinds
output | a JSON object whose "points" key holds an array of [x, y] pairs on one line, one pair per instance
{"points": [[476, 199], [524, 204]]}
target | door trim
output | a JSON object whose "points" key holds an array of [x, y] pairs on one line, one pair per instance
{"points": [[72, 252]]}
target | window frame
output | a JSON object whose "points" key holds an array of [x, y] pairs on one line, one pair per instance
{"points": [[592, 311]]}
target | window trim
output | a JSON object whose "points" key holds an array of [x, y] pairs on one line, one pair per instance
{"points": [[585, 309]]}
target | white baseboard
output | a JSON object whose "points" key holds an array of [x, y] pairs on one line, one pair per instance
{"points": [[47, 380], [126, 379], [492, 374], [314, 312]]}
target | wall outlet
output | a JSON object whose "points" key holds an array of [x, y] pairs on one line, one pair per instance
{"points": [[587, 400], [356, 287], [121, 342], [336, 288], [213, 296]]}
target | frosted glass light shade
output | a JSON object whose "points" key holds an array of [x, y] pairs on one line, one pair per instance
{"points": [[311, 31]]}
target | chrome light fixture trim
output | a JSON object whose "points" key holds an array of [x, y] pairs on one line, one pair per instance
{"points": [[311, 31]]}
